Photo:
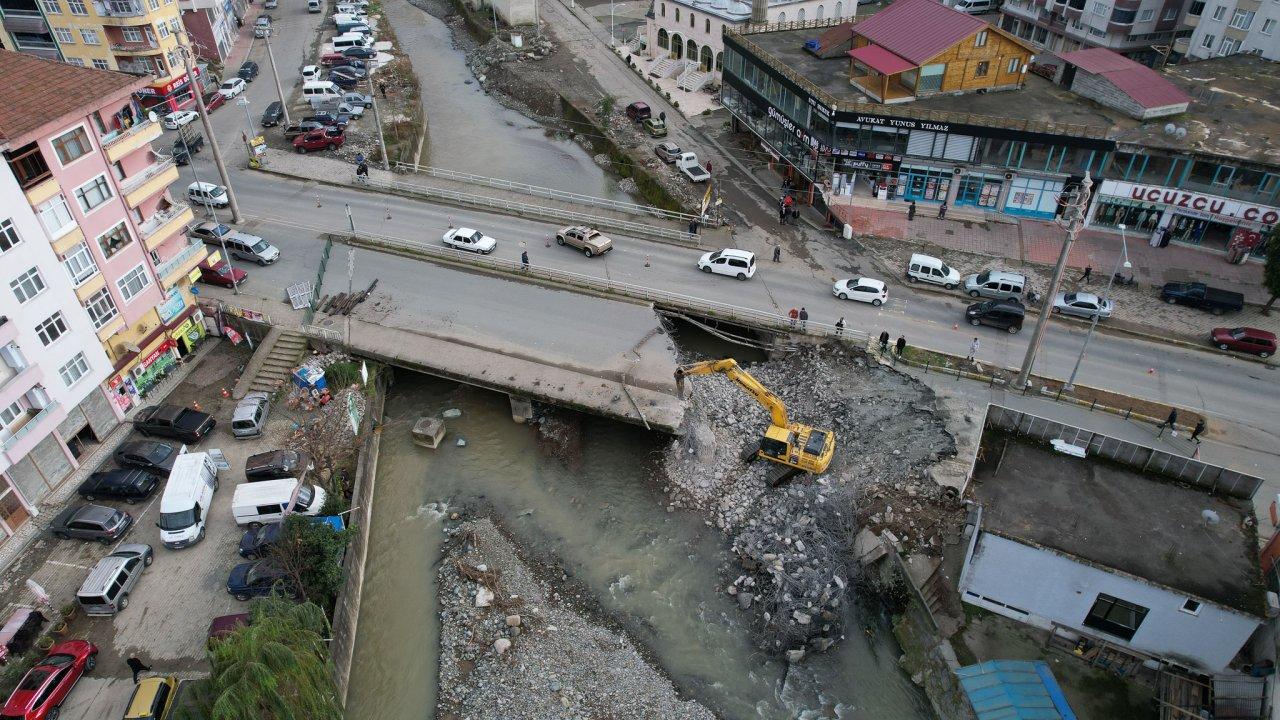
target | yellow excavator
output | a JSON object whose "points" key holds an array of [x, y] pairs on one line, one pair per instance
{"points": [[794, 446]]}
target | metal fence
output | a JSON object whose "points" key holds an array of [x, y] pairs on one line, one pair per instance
{"points": [[546, 192], [1145, 459]]}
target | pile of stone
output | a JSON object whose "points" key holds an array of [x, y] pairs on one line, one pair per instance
{"points": [[513, 647]]}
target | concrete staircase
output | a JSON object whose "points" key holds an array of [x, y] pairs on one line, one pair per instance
{"points": [[635, 44], [273, 363], [666, 67], [693, 79]]}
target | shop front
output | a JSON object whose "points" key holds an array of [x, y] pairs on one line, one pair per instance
{"points": [[869, 173], [1166, 215], [924, 183], [188, 333], [168, 96], [1034, 197], [981, 190]]}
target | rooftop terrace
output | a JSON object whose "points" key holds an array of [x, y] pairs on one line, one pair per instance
{"points": [[1235, 111]]}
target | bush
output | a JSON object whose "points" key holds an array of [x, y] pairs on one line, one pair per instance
{"points": [[342, 375]]}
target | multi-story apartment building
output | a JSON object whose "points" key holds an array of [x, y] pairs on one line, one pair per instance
{"points": [[82, 158], [212, 26], [1226, 27], [1143, 30], [24, 28]]}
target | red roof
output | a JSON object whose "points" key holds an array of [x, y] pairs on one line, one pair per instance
{"points": [[877, 58], [918, 30], [63, 90], [1147, 87]]}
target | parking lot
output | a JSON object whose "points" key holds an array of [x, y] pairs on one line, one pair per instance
{"points": [[167, 619]]}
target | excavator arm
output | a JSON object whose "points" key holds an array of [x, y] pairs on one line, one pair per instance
{"points": [[729, 367]]}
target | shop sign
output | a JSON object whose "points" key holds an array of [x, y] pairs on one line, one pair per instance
{"points": [[796, 130], [819, 108], [904, 123], [172, 306], [867, 165], [1196, 203]]}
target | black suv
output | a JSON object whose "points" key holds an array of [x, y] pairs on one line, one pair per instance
{"points": [[1003, 314], [156, 457], [128, 485], [248, 71], [273, 114]]}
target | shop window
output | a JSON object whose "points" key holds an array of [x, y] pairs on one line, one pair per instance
{"points": [[1134, 215], [1205, 175], [1115, 617]]}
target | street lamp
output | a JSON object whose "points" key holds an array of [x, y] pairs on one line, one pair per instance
{"points": [[1122, 260]]}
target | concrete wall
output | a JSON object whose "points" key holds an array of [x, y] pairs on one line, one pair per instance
{"points": [[1055, 588], [1101, 90], [511, 12]]}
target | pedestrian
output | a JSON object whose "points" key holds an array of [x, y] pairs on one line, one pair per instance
{"points": [[901, 344], [782, 214], [840, 327], [362, 173], [524, 260], [693, 227], [360, 158], [708, 167], [1170, 423], [662, 115], [911, 211], [884, 341], [793, 315], [973, 350], [136, 666], [1197, 431], [804, 318], [777, 253], [942, 211], [795, 214], [1088, 270], [382, 88], [788, 201]]}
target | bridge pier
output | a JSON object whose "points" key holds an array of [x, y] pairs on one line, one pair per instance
{"points": [[521, 409]]}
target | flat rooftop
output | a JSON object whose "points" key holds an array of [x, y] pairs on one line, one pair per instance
{"points": [[1105, 514], [1235, 110]]}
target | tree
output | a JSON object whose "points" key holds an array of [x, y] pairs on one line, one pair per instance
{"points": [[310, 554], [327, 436], [1271, 270], [607, 103]]}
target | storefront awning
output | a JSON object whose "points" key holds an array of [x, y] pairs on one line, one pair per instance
{"points": [[880, 60]]}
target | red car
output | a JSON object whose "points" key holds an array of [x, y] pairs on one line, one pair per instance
{"points": [[638, 111], [214, 100], [330, 138], [46, 686], [222, 274], [334, 59], [1244, 339]]}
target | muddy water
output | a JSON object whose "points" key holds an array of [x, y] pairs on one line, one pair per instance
{"points": [[604, 519]]}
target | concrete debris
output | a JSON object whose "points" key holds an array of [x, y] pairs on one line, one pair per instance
{"points": [[484, 596], [462, 443], [452, 413]]}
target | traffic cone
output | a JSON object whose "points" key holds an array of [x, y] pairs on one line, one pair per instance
{"points": [[646, 261], [318, 201], [225, 393]]}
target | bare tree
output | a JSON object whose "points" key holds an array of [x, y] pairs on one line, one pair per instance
{"points": [[327, 438]]}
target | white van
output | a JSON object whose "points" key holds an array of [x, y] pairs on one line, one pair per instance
{"points": [[928, 269], [341, 19], [184, 507], [258, 503], [976, 7], [352, 8], [350, 40], [206, 193], [320, 91], [313, 6]]}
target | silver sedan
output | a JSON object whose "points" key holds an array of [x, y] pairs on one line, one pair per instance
{"points": [[1085, 305]]}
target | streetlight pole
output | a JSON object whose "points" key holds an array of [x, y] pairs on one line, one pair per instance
{"points": [[243, 102], [1123, 258], [211, 210], [377, 115], [284, 106], [612, 41], [184, 49], [1076, 207]]}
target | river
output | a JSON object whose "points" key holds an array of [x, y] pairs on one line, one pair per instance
{"points": [[602, 516]]}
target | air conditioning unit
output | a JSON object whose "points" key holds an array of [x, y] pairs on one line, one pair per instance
{"points": [[38, 398], [1008, 176]]}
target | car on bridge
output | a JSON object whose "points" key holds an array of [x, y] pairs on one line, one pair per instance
{"points": [[470, 240], [586, 239], [861, 289], [729, 261]]}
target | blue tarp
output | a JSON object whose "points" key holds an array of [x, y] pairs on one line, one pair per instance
{"points": [[333, 521], [1014, 690]]}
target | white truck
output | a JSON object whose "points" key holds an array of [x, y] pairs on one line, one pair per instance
{"points": [[692, 169]]}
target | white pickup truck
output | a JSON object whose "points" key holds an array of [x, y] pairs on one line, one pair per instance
{"points": [[692, 169]]}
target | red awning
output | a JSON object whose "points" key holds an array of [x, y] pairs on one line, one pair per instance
{"points": [[880, 60]]}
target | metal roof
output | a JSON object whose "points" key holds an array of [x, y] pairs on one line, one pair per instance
{"points": [[1147, 87], [918, 30], [881, 60], [1014, 690]]}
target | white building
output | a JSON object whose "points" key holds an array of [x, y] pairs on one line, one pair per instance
{"points": [[1226, 27], [51, 364]]}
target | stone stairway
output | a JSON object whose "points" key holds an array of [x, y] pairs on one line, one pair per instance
{"points": [[693, 79], [273, 363], [666, 67], [635, 44]]}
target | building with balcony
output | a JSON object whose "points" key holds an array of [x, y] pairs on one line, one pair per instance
{"points": [[23, 28], [211, 24], [1230, 27], [84, 163], [1143, 30], [1198, 177]]}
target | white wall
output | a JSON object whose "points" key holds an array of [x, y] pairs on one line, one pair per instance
{"points": [[1052, 587], [699, 34], [1253, 38]]}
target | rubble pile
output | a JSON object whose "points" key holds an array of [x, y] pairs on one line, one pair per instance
{"points": [[512, 646]]}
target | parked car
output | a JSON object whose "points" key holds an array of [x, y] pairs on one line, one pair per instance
{"points": [[214, 100], [334, 59], [239, 244], [268, 501], [588, 240], [730, 261], [356, 99], [1202, 296], [222, 274], [301, 128], [224, 625], [257, 542], [106, 590], [354, 111], [639, 111], [310, 72], [248, 70], [861, 289], [91, 522], [273, 114], [153, 697], [175, 120], [249, 420], [329, 138], [257, 579], [655, 127], [348, 71], [327, 118], [1244, 339], [668, 151], [45, 687], [363, 53], [996, 284], [175, 421], [276, 465], [1085, 305], [129, 485], [149, 455], [184, 148], [1004, 314], [470, 240], [924, 268], [344, 82], [233, 87], [262, 26], [208, 194]]}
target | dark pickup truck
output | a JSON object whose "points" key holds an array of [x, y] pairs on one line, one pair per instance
{"points": [[1202, 296], [187, 145], [175, 421]]}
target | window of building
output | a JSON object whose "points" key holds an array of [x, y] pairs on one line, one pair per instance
{"points": [[77, 7], [51, 329], [115, 239], [78, 62], [134, 282], [818, 14], [64, 36], [1170, 13], [27, 285], [1115, 617], [77, 368], [155, 4], [93, 193], [101, 64], [1097, 33], [981, 69], [133, 35], [1101, 8], [71, 145], [664, 40], [1242, 19], [1191, 607], [1229, 47], [89, 36], [1146, 15], [1123, 17], [1196, 8], [782, 17], [163, 30], [677, 14], [1268, 26], [1219, 12], [1207, 42], [56, 216], [101, 308], [707, 26], [800, 15], [51, 7], [980, 40], [1014, 65], [10, 414], [8, 236], [662, 11], [79, 264]]}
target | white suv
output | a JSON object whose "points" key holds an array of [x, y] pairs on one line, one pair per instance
{"points": [[737, 263]]}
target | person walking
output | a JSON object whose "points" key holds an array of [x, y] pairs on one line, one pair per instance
{"points": [[693, 227], [362, 173], [942, 211], [973, 350], [884, 341], [901, 344], [524, 260], [1088, 272], [382, 88], [793, 315], [137, 666], [804, 318], [911, 211], [1170, 423], [777, 253], [795, 214], [782, 212], [1197, 431], [840, 327]]}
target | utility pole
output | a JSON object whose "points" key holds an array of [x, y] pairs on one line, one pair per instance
{"points": [[1074, 213], [284, 106], [184, 49], [1121, 260], [613, 42], [377, 116], [243, 102]]}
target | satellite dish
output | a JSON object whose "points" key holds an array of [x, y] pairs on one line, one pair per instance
{"points": [[1181, 132], [1170, 128], [151, 115]]}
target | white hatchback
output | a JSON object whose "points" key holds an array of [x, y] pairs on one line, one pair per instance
{"points": [[730, 261], [470, 240], [861, 289], [231, 88], [175, 120]]}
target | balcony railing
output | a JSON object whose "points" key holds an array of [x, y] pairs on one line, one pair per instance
{"points": [[132, 47], [29, 44], [166, 268], [135, 129], [160, 219], [28, 426], [138, 68], [133, 182], [119, 8]]}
